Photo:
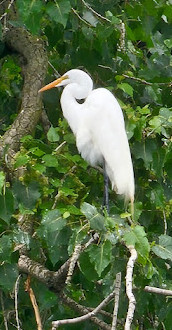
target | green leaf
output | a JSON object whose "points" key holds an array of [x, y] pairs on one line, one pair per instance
{"points": [[97, 221], [168, 43], [145, 151], [37, 151], [59, 11], [155, 124], [31, 13], [8, 276], [87, 268], [164, 248], [53, 221], [6, 206], [40, 168], [2, 181], [27, 195], [137, 237], [100, 256], [128, 89], [53, 135], [5, 249], [51, 230], [21, 160], [50, 160]]}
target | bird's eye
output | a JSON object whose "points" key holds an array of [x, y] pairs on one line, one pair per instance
{"points": [[80, 101]]}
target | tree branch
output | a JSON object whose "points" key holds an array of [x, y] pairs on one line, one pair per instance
{"points": [[53, 280], [130, 295], [16, 289], [81, 309], [117, 291], [32, 49], [158, 291]]}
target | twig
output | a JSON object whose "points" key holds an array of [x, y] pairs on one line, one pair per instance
{"points": [[56, 72], [3, 311], [84, 310], [121, 46], [94, 238], [56, 200], [2, 2], [60, 146], [165, 223], [132, 301], [95, 13], [142, 81], [77, 251], [105, 67], [74, 258], [81, 19], [34, 303], [117, 291], [16, 288], [55, 324], [158, 291], [8, 8], [45, 121]]}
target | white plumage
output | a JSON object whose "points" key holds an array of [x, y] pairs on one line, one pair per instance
{"points": [[99, 127]]}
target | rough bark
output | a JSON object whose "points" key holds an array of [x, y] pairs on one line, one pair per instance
{"points": [[33, 52], [55, 281]]}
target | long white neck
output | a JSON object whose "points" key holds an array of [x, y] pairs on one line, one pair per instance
{"points": [[72, 110]]}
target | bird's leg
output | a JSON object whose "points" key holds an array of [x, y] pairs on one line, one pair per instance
{"points": [[106, 188]]}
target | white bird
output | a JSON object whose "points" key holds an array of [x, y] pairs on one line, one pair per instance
{"points": [[99, 128]]}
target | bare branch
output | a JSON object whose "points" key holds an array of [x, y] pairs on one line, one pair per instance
{"points": [[165, 223], [34, 303], [81, 19], [55, 324], [121, 46], [77, 251], [117, 291], [57, 74], [130, 295], [16, 288], [8, 8], [3, 311], [74, 258], [60, 146], [158, 291], [142, 81], [95, 12]]}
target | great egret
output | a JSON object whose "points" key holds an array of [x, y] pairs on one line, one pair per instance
{"points": [[99, 127]]}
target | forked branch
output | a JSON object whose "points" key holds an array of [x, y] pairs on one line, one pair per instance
{"points": [[56, 324]]}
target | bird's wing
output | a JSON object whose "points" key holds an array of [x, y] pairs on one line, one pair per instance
{"points": [[107, 134]]}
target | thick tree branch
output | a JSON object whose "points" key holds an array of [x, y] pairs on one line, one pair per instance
{"points": [[33, 52], [53, 280]]}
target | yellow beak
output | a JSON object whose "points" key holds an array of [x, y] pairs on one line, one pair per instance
{"points": [[53, 84]]}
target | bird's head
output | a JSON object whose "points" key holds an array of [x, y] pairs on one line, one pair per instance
{"points": [[73, 76]]}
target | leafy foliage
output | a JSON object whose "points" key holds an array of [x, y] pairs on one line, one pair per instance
{"points": [[60, 191]]}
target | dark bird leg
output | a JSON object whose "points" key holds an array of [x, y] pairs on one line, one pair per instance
{"points": [[106, 188]]}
